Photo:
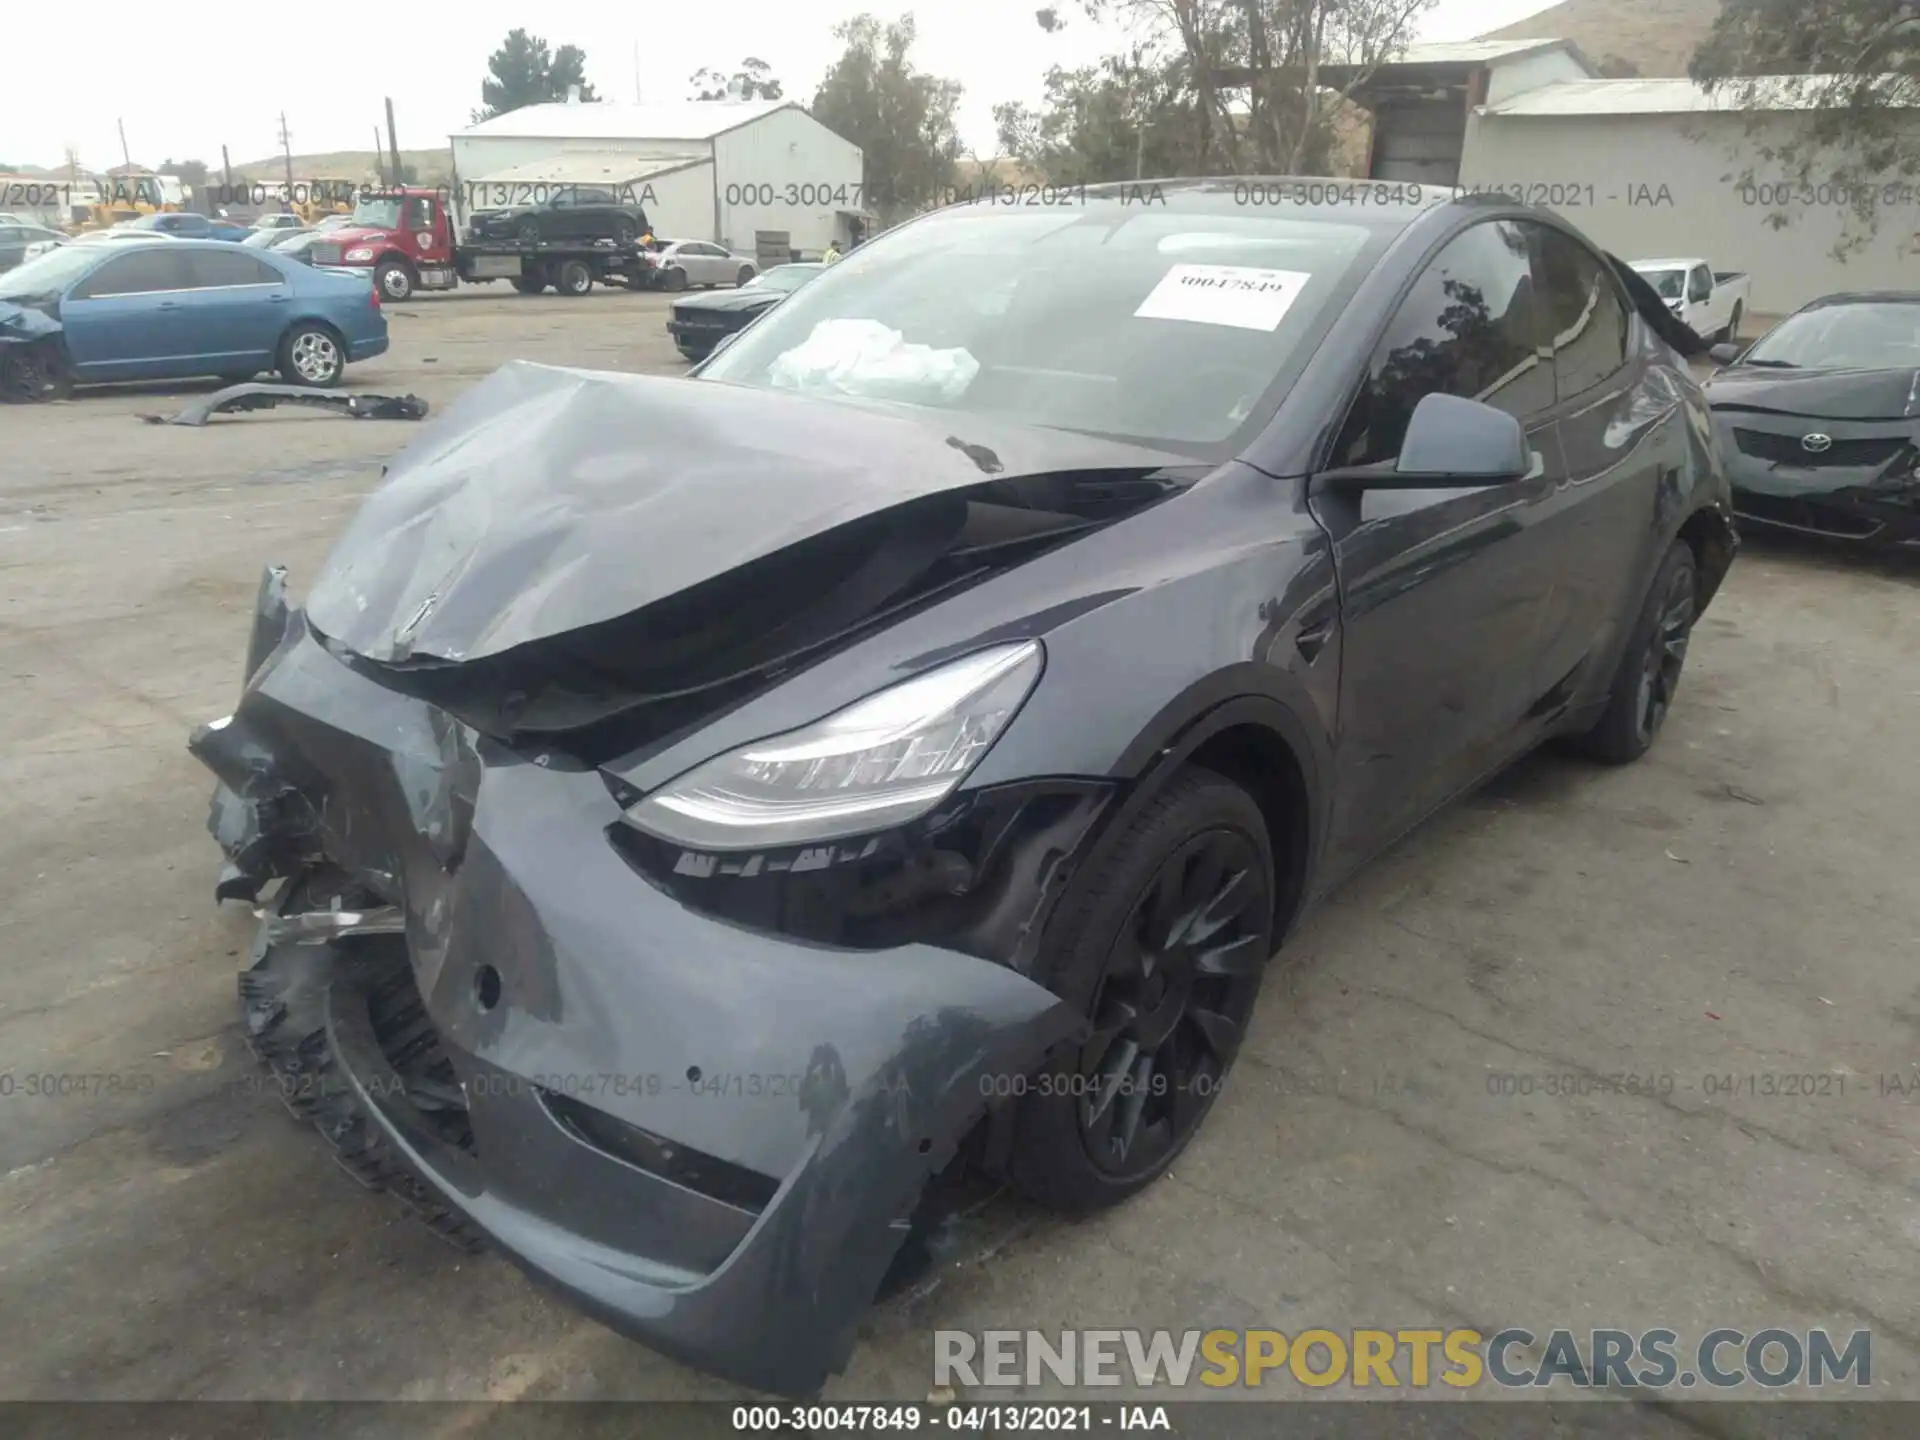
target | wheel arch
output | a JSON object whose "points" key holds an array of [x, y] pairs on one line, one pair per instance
{"points": [[1711, 535], [1262, 743]]}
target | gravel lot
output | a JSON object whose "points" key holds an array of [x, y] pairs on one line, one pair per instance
{"points": [[1739, 906]]}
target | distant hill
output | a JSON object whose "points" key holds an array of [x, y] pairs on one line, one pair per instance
{"points": [[430, 167], [1655, 37]]}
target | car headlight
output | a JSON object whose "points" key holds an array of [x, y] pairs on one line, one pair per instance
{"points": [[360, 252], [881, 761]]}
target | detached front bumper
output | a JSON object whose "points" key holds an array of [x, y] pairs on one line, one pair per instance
{"points": [[710, 1138]]}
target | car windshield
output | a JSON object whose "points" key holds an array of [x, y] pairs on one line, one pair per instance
{"points": [[1166, 326], [1667, 283], [264, 239], [1858, 336], [50, 273], [782, 277], [376, 214]]}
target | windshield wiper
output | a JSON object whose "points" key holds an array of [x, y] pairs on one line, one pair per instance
{"points": [[1771, 364]]}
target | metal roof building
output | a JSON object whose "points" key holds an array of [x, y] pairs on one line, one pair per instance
{"points": [[1649, 166], [760, 176]]}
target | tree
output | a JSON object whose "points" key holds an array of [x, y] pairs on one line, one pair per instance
{"points": [[754, 80], [1828, 88], [902, 118], [523, 72], [1212, 87]]}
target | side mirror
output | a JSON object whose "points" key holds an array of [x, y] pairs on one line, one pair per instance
{"points": [[1451, 442], [1725, 353]]}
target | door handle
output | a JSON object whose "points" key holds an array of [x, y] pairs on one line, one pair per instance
{"points": [[278, 299], [169, 305]]}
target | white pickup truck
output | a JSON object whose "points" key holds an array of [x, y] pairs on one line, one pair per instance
{"points": [[1707, 301]]}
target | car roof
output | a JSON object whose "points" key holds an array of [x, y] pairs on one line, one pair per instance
{"points": [[1865, 297], [1665, 264]]}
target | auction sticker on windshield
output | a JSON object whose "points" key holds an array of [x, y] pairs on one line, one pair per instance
{"points": [[1239, 295]]}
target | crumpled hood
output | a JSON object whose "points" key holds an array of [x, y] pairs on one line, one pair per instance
{"points": [[1821, 394], [21, 323], [548, 499]]}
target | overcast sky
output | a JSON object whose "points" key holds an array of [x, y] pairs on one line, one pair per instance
{"points": [[186, 79]]}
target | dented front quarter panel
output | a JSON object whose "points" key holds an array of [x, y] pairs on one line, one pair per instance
{"points": [[850, 1077]]}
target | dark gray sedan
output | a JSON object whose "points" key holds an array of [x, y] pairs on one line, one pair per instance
{"points": [[716, 816]]}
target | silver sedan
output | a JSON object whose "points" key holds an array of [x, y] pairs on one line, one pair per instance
{"points": [[686, 263]]}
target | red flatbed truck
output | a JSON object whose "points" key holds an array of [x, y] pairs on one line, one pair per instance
{"points": [[410, 238]]}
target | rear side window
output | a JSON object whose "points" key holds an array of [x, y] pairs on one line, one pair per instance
{"points": [[211, 269], [1466, 328], [1583, 316], [142, 272]]}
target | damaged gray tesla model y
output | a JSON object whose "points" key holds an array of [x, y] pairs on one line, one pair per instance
{"points": [[705, 816]]}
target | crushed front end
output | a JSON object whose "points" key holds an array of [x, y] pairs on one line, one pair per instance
{"points": [[713, 1136]]}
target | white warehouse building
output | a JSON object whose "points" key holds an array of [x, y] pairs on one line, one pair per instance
{"points": [[1644, 167], [762, 177]]}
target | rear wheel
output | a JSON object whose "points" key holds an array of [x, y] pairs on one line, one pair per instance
{"points": [[1164, 951], [528, 284], [528, 231], [312, 355], [1732, 332], [746, 274], [574, 279], [1649, 673], [395, 279]]}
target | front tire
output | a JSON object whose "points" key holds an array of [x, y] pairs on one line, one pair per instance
{"points": [[674, 278], [574, 278], [745, 275], [312, 355], [395, 280], [1649, 673], [1163, 949]]}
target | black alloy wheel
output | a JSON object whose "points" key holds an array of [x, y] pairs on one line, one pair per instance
{"points": [[1167, 1020], [1648, 676], [1162, 944], [1666, 655]]}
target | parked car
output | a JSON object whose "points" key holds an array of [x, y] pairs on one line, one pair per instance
{"points": [[700, 322], [684, 264], [1820, 419], [20, 243], [333, 222], [117, 236], [299, 245], [569, 212], [183, 225], [273, 236], [1710, 302], [283, 220], [167, 310], [921, 726]]}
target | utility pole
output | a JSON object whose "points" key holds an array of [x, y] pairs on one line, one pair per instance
{"points": [[123, 144], [286, 152], [636, 72], [380, 159], [393, 146]]}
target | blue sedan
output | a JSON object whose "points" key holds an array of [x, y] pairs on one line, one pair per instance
{"points": [[170, 309], [186, 225]]}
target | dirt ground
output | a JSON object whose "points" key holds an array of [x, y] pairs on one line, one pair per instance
{"points": [[1738, 907]]}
